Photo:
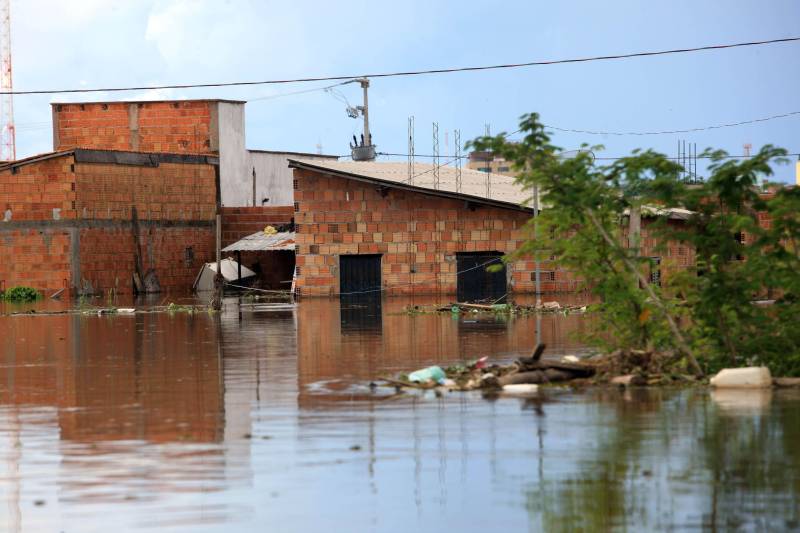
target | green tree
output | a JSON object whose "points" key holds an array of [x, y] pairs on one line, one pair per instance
{"points": [[708, 309]]}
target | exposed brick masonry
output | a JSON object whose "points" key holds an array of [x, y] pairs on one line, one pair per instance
{"points": [[174, 127], [412, 230], [90, 241]]}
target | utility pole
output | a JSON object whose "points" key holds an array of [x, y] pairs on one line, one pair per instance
{"points": [[8, 150], [365, 85], [365, 151]]}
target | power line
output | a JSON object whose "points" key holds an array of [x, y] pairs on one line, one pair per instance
{"points": [[608, 158], [688, 130], [281, 95], [412, 72]]}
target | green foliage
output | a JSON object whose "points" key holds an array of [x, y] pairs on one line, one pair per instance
{"points": [[584, 224], [20, 294]]}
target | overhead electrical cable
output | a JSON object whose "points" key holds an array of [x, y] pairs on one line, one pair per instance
{"points": [[666, 132], [413, 72]]}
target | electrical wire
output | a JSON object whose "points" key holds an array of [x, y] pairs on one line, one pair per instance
{"points": [[666, 132], [607, 158], [327, 88], [412, 72]]}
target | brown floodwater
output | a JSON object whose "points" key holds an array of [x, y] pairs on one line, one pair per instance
{"points": [[265, 421]]}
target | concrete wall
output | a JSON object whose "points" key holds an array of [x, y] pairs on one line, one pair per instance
{"points": [[274, 177], [235, 171]]}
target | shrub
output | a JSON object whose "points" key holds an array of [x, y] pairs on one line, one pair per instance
{"points": [[20, 294]]}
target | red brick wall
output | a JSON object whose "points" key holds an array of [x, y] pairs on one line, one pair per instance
{"points": [[38, 258], [239, 222], [32, 191], [108, 256], [341, 216], [176, 207], [170, 191], [174, 127]]}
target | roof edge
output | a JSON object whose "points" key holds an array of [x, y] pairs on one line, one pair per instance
{"points": [[119, 157], [294, 163], [163, 101], [285, 152]]}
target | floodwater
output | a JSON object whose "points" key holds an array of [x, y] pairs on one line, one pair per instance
{"points": [[263, 421]]}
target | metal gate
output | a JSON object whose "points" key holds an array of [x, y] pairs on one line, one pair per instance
{"points": [[474, 283], [359, 274]]}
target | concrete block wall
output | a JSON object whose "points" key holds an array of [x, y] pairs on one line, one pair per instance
{"points": [[166, 126], [418, 231]]}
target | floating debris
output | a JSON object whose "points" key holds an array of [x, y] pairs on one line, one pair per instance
{"points": [[479, 374]]}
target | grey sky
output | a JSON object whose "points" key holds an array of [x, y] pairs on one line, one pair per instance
{"points": [[96, 43]]}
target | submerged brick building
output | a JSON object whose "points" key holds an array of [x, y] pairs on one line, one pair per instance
{"points": [[364, 227], [162, 168], [87, 220]]}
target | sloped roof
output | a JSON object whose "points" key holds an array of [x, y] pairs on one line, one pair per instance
{"points": [[501, 190], [261, 242]]}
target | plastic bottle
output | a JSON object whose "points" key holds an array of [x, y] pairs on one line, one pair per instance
{"points": [[432, 373]]}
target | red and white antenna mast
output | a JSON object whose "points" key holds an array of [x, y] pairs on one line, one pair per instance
{"points": [[8, 143]]}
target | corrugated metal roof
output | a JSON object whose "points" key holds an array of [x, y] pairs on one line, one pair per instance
{"points": [[261, 242], [500, 188]]}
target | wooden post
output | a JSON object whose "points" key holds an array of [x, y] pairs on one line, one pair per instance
{"points": [[216, 302]]}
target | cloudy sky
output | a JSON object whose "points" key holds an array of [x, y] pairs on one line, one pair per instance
{"points": [[96, 43]]}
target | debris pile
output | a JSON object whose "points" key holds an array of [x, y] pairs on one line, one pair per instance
{"points": [[521, 376]]}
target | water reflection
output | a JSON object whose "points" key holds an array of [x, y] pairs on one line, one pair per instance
{"points": [[230, 422]]}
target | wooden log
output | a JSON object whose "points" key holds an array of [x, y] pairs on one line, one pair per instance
{"points": [[578, 369], [536, 376], [554, 375], [482, 307], [534, 358]]}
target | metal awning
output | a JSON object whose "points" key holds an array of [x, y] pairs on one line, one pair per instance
{"points": [[261, 242]]}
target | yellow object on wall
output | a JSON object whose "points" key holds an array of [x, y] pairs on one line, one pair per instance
{"points": [[797, 173]]}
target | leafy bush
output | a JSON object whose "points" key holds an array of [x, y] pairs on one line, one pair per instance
{"points": [[20, 294], [706, 313]]}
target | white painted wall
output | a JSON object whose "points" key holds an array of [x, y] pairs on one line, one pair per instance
{"points": [[236, 164], [274, 178]]}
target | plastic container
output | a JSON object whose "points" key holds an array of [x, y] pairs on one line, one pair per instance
{"points": [[432, 373]]}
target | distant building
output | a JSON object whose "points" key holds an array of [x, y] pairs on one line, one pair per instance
{"points": [[484, 161]]}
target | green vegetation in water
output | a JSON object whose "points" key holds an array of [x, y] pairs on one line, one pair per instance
{"points": [[20, 294], [177, 308], [717, 256]]}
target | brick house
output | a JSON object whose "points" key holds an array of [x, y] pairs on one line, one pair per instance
{"points": [[255, 186], [364, 227], [87, 220]]}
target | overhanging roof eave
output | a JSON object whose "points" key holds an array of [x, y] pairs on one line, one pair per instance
{"points": [[293, 163]]}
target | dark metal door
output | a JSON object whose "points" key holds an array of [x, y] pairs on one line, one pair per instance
{"points": [[359, 274], [474, 282]]}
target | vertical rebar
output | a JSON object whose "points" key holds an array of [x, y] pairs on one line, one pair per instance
{"points": [[457, 142], [435, 155]]}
